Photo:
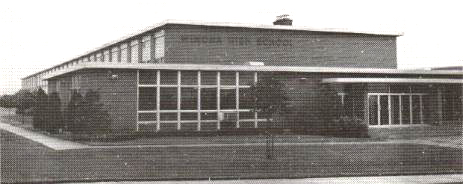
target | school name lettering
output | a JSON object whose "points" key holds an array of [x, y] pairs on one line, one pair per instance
{"points": [[237, 41]]}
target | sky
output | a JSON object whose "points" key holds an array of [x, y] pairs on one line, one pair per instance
{"points": [[35, 35]]}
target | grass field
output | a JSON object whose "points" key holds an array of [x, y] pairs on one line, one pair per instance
{"points": [[26, 161]]}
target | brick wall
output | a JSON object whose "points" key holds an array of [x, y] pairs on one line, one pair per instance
{"points": [[211, 45]]}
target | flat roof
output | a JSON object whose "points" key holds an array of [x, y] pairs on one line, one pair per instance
{"points": [[204, 67], [226, 24], [393, 80]]}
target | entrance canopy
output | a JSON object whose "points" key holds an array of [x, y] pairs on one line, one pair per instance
{"points": [[393, 80]]}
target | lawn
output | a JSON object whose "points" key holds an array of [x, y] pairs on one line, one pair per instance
{"points": [[26, 161]]}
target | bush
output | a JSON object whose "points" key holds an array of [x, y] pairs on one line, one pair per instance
{"points": [[40, 111], [87, 115], [55, 120], [24, 100], [71, 115]]}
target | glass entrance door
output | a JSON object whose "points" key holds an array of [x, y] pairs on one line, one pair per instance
{"points": [[395, 108]]}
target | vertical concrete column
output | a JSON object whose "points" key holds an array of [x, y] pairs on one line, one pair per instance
{"points": [[218, 101], [179, 98], [237, 99], [199, 101]]}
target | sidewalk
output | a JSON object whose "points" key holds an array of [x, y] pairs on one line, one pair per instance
{"points": [[50, 142], [420, 179]]}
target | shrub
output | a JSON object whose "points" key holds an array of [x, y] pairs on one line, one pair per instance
{"points": [[55, 116], [24, 100], [87, 115], [40, 111]]}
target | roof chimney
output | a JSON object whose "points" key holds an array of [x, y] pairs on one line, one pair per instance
{"points": [[283, 20]]}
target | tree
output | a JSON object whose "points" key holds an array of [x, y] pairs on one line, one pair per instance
{"points": [[7, 101], [40, 112], [269, 100], [72, 118], [24, 100], [87, 115], [55, 120], [95, 116]]}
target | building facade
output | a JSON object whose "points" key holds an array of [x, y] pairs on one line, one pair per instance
{"points": [[186, 76]]}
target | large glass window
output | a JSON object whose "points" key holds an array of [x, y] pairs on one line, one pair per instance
{"points": [[159, 46], [395, 109], [134, 51], [147, 98], [148, 77], [189, 116], [168, 116], [124, 53], [228, 78], [92, 58], [106, 56], [168, 98], [208, 98], [99, 57], [169, 77], [146, 48], [115, 54], [246, 100], [189, 78], [189, 99], [227, 98], [373, 110], [208, 78], [146, 116], [416, 108], [406, 109]]}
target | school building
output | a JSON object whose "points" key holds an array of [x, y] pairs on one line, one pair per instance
{"points": [[193, 76]]}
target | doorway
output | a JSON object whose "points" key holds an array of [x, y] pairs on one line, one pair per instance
{"points": [[395, 109]]}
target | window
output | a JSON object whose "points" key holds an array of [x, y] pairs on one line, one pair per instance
{"points": [[159, 46], [124, 53], [208, 78], [246, 100], [148, 77], [147, 117], [99, 57], [75, 81], [85, 59], [168, 116], [189, 98], [189, 116], [147, 98], [227, 98], [134, 51], [169, 77], [92, 58], [115, 54], [208, 98], [146, 48], [189, 77], [228, 78], [168, 98], [106, 56]]}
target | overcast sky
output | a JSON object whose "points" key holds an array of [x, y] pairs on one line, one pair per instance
{"points": [[35, 35]]}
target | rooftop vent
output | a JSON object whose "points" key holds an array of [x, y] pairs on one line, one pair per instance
{"points": [[283, 20]]}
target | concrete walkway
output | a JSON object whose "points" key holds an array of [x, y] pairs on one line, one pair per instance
{"points": [[50, 142], [59, 144], [419, 179]]}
